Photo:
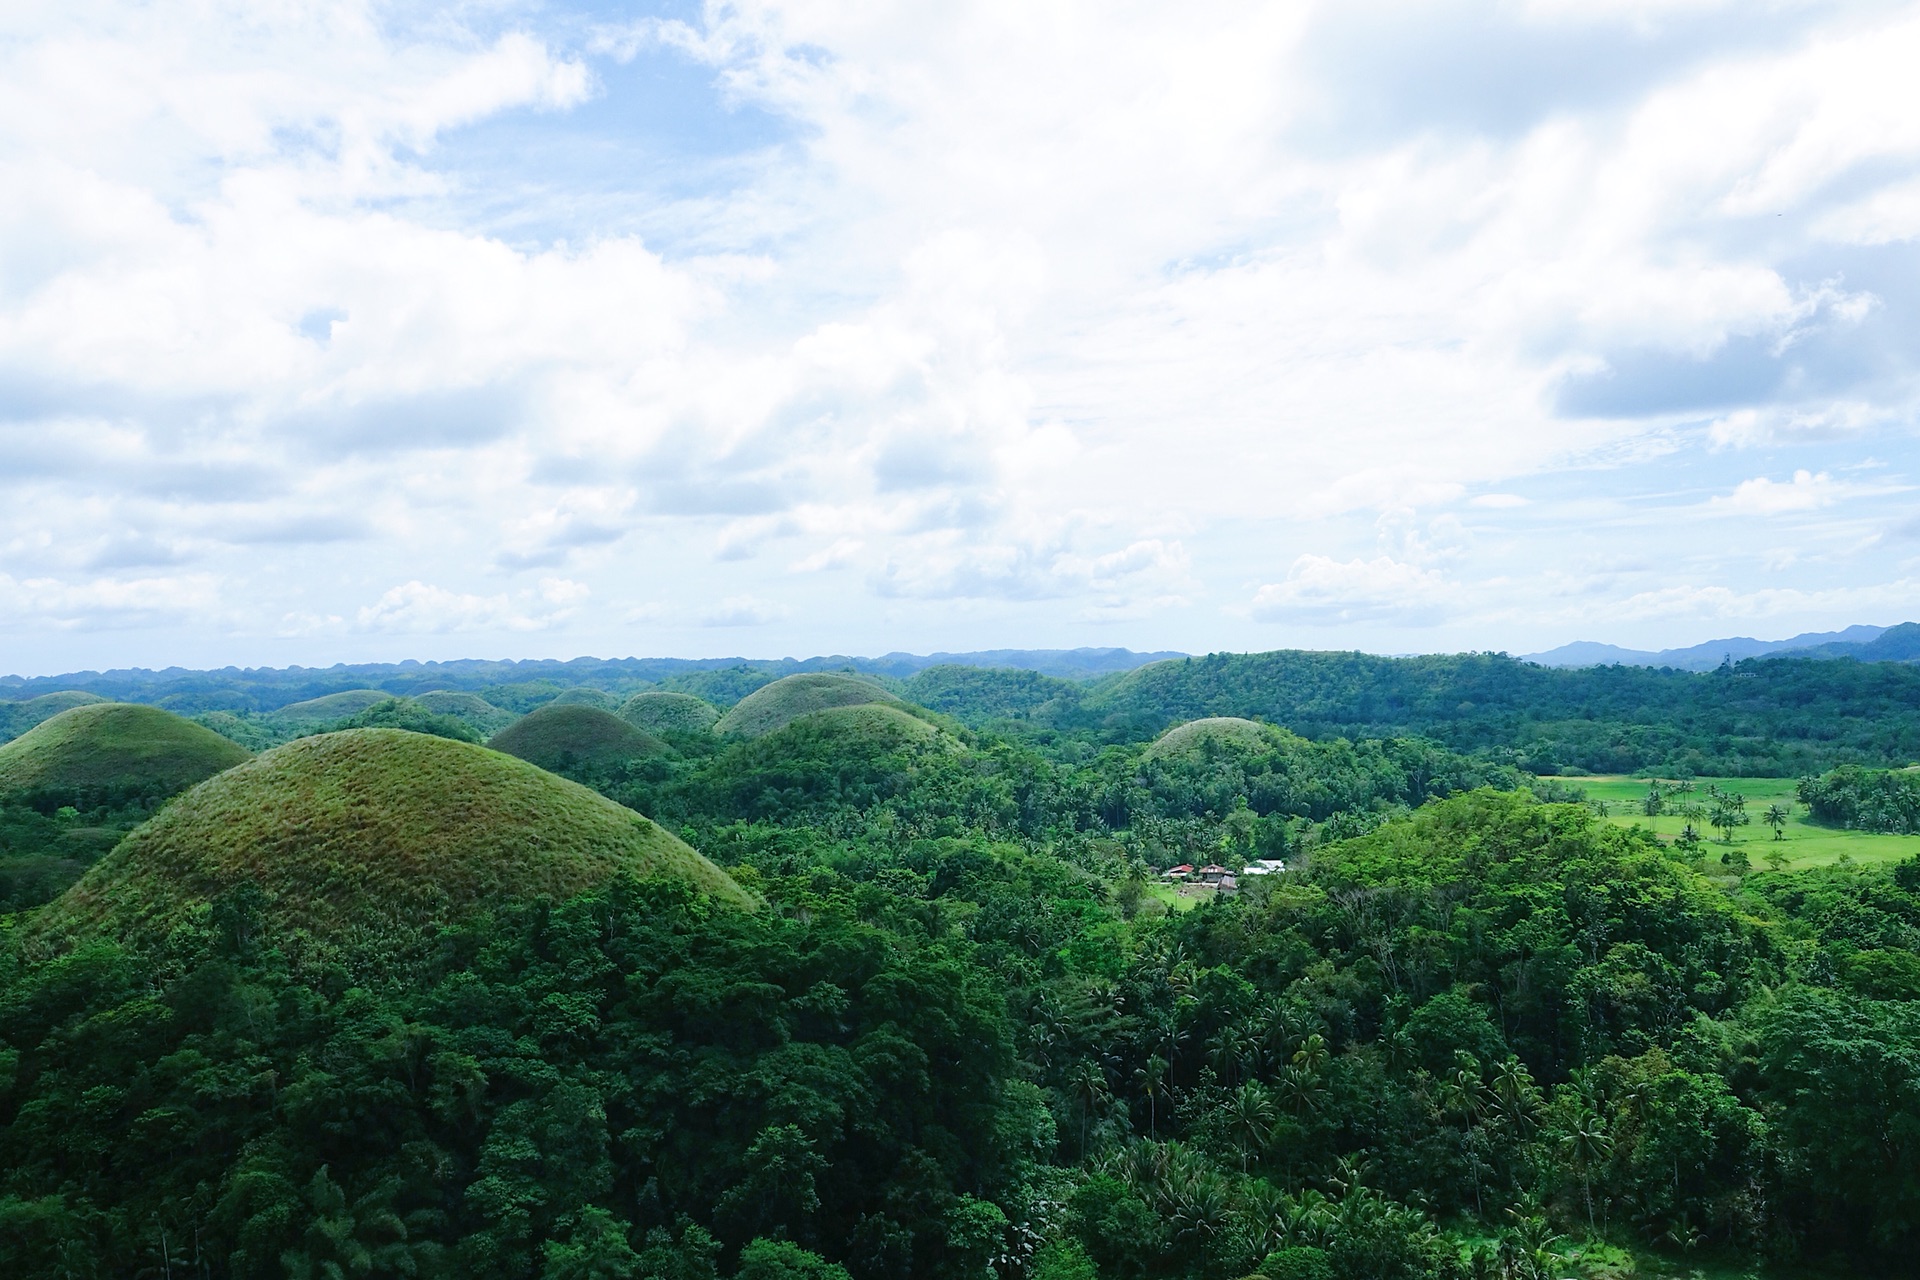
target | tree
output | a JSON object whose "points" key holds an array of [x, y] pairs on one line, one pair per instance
{"points": [[1729, 811], [1776, 817]]}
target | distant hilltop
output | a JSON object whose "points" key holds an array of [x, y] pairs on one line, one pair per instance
{"points": [[1866, 643]]}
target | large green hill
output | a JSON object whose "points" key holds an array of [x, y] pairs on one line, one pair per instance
{"points": [[111, 753], [374, 832], [784, 701], [333, 706], [567, 736], [18, 717], [657, 711]]}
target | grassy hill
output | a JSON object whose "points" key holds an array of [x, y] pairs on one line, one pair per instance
{"points": [[333, 706], [475, 710], [586, 696], [373, 832], [1196, 735], [111, 753], [18, 717], [784, 701], [567, 736], [656, 711]]}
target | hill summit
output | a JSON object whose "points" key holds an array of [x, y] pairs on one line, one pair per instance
{"points": [[784, 701], [374, 834], [111, 753]]}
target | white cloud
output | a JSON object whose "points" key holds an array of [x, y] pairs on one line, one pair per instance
{"points": [[1068, 316], [1319, 590], [418, 608], [1761, 496]]}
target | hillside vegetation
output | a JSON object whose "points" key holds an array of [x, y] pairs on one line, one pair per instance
{"points": [[380, 1003], [18, 717], [655, 711], [783, 701], [333, 706], [372, 832], [569, 736], [111, 753]]}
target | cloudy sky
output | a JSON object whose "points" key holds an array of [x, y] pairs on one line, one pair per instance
{"points": [[355, 331]]}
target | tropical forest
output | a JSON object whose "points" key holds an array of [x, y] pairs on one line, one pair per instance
{"points": [[1296, 965]]}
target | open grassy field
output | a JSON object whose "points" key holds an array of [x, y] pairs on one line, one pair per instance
{"points": [[1805, 843]]}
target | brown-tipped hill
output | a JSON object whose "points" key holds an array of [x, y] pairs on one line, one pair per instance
{"points": [[373, 833], [569, 736]]}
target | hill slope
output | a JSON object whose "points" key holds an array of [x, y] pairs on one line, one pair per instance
{"points": [[18, 717], [111, 753], [561, 736], [784, 701], [374, 831], [658, 712]]}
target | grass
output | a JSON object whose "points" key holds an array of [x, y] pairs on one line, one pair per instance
{"points": [[570, 735], [1805, 843], [1184, 898], [586, 697], [886, 725], [111, 753], [659, 712], [1225, 730], [18, 717], [333, 706], [475, 710], [373, 833], [784, 701]]}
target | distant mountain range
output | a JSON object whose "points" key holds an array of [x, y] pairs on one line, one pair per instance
{"points": [[271, 687], [1867, 644]]}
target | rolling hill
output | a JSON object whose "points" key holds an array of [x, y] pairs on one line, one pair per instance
{"points": [[1195, 736], [111, 753], [373, 834], [568, 736], [784, 701], [655, 711]]}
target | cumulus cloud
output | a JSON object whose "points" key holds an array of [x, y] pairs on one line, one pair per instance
{"points": [[1761, 496], [1319, 590], [1071, 321], [419, 608]]}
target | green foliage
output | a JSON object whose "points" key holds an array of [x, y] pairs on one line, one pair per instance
{"points": [[480, 715], [332, 706], [568, 737], [1217, 734], [784, 701], [1866, 799], [18, 717], [405, 713], [659, 712], [110, 754], [371, 831]]}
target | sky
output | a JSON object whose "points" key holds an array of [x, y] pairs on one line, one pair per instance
{"points": [[358, 332]]}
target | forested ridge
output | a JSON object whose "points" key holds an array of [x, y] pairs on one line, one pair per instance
{"points": [[1471, 1028]]}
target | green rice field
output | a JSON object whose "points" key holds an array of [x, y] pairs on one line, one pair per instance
{"points": [[1805, 843]]}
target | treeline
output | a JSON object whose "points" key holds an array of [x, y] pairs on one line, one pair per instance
{"points": [[1764, 717], [1866, 799]]}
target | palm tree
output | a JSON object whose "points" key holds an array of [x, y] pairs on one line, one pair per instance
{"points": [[1250, 1120], [1589, 1144]]}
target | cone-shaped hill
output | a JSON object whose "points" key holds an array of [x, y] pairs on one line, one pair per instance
{"points": [[469, 707], [334, 706], [18, 717], [373, 833], [656, 711], [111, 753], [786, 700], [572, 736], [586, 696], [1228, 732]]}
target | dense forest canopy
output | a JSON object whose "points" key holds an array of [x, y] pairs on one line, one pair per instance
{"points": [[956, 1019]]}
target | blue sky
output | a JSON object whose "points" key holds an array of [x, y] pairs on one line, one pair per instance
{"points": [[356, 331]]}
